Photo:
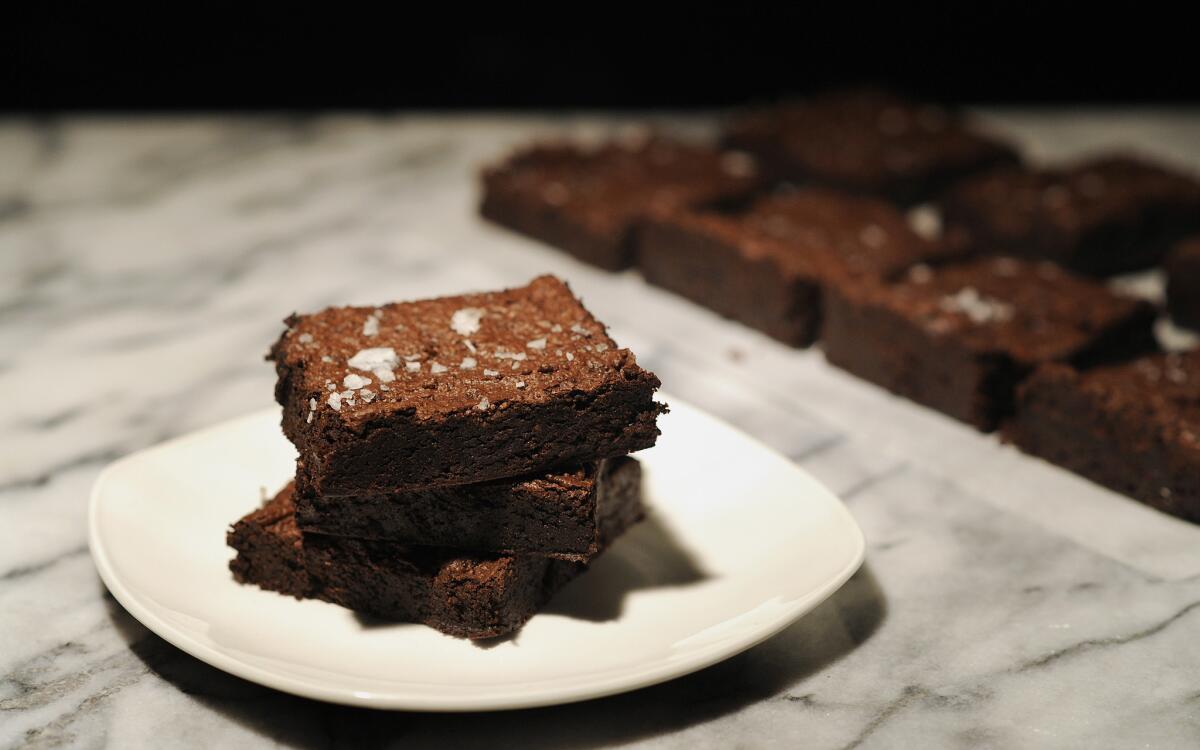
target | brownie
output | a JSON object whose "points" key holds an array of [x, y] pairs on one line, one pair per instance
{"points": [[586, 201], [457, 390], [764, 264], [959, 337], [550, 514], [867, 141], [464, 595], [1134, 427], [1100, 217], [1183, 283]]}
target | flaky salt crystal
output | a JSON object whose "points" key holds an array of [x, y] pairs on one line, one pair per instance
{"points": [[465, 322]]}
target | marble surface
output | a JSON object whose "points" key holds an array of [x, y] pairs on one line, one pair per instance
{"points": [[145, 265]]}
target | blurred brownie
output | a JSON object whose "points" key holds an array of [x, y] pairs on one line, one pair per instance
{"points": [[1134, 428], [960, 337], [765, 264], [551, 514], [468, 596], [1183, 283], [586, 201], [457, 390], [1100, 217], [867, 141]]}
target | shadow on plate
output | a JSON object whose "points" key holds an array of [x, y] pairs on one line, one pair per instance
{"points": [[777, 670]]}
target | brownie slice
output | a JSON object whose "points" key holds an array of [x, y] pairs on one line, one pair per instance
{"points": [[1134, 427], [960, 337], [1100, 217], [468, 596], [586, 201], [1183, 283], [867, 141], [765, 264], [550, 514], [457, 390]]}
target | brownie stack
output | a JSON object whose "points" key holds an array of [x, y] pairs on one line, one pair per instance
{"points": [[460, 459]]}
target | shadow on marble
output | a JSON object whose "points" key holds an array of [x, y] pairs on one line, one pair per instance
{"points": [[776, 670]]}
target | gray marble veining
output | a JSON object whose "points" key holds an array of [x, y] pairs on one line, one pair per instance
{"points": [[145, 265]]}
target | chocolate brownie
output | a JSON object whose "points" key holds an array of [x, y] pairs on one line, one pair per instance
{"points": [[1183, 283], [960, 337], [867, 141], [587, 201], [457, 390], [1134, 427], [550, 514], [468, 596], [1100, 217], [764, 264]]}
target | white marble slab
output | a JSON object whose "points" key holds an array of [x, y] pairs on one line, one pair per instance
{"points": [[144, 267]]}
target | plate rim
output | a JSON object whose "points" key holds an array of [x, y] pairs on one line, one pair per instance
{"points": [[532, 697]]}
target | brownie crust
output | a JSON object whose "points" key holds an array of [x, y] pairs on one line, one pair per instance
{"points": [[1183, 283], [1134, 428], [465, 595], [867, 141], [1099, 217], [765, 264], [552, 515], [959, 338], [457, 390], [587, 201]]}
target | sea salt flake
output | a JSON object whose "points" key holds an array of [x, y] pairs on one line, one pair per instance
{"points": [[491, 373], [977, 307], [520, 383], [384, 374], [556, 328], [515, 366], [536, 344], [470, 346], [601, 348], [367, 395], [577, 328], [326, 358], [305, 338], [465, 322], [483, 404], [570, 357], [468, 363], [518, 356], [384, 387], [371, 324], [312, 407], [412, 366], [335, 400], [372, 359], [411, 357], [437, 369], [354, 381]]}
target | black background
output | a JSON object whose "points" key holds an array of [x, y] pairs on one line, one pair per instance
{"points": [[584, 56]]}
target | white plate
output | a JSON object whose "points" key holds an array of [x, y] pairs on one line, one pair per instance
{"points": [[739, 543]]}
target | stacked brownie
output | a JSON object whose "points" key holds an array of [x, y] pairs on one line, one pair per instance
{"points": [[460, 459]]}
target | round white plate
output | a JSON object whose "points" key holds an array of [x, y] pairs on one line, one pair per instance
{"points": [[738, 544]]}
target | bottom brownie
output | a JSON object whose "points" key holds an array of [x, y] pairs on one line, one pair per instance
{"points": [[468, 596], [1134, 428]]}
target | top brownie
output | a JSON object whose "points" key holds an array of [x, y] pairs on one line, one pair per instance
{"points": [[457, 390], [1102, 216], [587, 201], [867, 141]]}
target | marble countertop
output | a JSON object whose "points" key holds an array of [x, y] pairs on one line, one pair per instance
{"points": [[145, 265]]}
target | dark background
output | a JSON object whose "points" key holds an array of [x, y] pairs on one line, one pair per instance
{"points": [[584, 56]]}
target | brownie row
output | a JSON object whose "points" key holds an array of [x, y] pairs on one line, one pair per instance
{"points": [[965, 308]]}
